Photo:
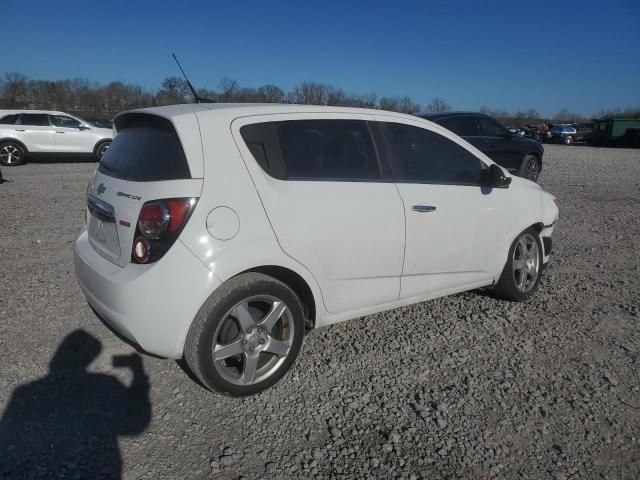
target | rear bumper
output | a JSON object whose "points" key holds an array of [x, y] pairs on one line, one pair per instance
{"points": [[151, 305]]}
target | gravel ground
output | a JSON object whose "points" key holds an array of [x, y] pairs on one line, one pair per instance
{"points": [[461, 387]]}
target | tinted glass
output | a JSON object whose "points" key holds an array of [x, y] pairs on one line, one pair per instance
{"points": [[146, 150], [64, 121], [491, 128], [100, 122], [35, 119], [462, 126], [313, 149], [8, 120], [425, 156]]}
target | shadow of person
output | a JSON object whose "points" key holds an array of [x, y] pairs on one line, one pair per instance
{"points": [[67, 424]]}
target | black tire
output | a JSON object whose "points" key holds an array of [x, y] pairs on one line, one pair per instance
{"points": [[568, 140], [215, 316], [508, 287], [11, 154], [530, 168], [101, 149]]}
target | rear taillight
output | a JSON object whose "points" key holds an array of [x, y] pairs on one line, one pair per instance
{"points": [[159, 224], [178, 210], [153, 219]]}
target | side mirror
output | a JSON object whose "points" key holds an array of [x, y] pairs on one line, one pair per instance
{"points": [[83, 127], [494, 177]]}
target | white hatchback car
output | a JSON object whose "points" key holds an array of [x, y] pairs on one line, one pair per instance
{"points": [[33, 132], [219, 233]]}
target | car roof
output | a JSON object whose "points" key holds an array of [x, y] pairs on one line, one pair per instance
{"points": [[437, 115], [233, 111], [250, 109], [48, 112]]}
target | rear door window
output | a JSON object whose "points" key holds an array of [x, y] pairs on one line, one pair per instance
{"points": [[146, 149], [314, 149], [35, 119]]}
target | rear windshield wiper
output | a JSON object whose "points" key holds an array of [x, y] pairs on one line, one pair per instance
{"points": [[108, 167]]}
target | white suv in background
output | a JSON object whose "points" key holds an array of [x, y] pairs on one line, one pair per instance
{"points": [[221, 232], [32, 132]]}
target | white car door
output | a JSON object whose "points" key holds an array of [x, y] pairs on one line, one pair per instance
{"points": [[72, 136], [320, 181], [455, 228], [35, 131]]}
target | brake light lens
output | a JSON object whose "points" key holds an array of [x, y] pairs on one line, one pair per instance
{"points": [[159, 224], [177, 211]]}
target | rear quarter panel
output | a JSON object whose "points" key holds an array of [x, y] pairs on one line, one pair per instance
{"points": [[227, 183]]}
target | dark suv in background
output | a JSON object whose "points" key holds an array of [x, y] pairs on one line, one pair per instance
{"points": [[521, 156]]}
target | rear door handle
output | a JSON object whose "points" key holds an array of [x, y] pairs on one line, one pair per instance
{"points": [[58, 131], [423, 208], [20, 130]]}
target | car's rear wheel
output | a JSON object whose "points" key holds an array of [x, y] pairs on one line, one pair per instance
{"points": [[568, 140], [521, 274], [246, 336], [530, 168], [11, 154], [101, 149]]}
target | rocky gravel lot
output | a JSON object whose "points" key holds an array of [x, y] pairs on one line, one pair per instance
{"points": [[460, 387]]}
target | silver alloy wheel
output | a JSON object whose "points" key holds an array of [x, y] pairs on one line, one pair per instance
{"points": [[531, 171], [568, 140], [526, 263], [9, 155], [253, 340]]}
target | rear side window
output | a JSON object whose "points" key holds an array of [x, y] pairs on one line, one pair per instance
{"points": [[462, 126], [146, 149], [9, 120], [313, 149], [35, 119], [427, 157]]}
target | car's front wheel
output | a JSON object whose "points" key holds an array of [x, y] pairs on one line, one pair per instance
{"points": [[530, 168], [11, 154], [521, 274], [568, 140], [246, 336]]}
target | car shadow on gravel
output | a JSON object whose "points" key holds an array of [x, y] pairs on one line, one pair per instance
{"points": [[67, 424]]}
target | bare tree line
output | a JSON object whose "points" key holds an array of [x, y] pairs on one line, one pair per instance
{"points": [[82, 96], [91, 98]]}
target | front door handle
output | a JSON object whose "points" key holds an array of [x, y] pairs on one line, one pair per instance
{"points": [[423, 208], [20, 130], [58, 131]]}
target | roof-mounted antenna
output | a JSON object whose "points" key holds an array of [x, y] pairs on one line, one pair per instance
{"points": [[196, 97]]}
